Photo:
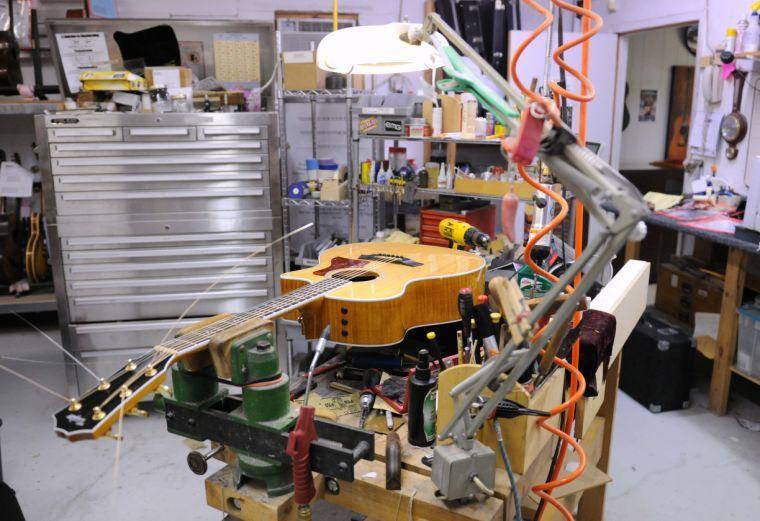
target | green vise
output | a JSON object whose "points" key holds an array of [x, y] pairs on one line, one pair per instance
{"points": [[254, 366]]}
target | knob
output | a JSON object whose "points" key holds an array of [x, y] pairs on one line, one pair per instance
{"points": [[197, 461]]}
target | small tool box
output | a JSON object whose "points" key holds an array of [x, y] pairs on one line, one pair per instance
{"points": [[658, 365]]}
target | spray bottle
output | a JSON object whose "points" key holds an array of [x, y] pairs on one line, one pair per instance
{"points": [[423, 394]]}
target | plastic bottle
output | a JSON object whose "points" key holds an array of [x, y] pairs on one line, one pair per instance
{"points": [[469, 115], [384, 174], [423, 394], [751, 39], [741, 28], [312, 169], [443, 179], [731, 39], [437, 121]]}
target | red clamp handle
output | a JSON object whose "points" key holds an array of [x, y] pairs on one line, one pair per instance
{"points": [[299, 443]]}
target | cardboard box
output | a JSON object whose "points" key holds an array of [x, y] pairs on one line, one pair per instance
{"points": [[682, 293], [300, 71], [465, 185], [333, 190], [171, 77], [452, 113]]}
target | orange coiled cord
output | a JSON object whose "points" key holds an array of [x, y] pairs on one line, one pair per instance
{"points": [[577, 383]]}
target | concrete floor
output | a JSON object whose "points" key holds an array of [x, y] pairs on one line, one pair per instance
{"points": [[692, 463]]}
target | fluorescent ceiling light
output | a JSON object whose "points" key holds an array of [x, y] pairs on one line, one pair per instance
{"points": [[376, 49]]}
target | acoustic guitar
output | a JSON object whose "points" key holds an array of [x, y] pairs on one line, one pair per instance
{"points": [[34, 256], [371, 294]]}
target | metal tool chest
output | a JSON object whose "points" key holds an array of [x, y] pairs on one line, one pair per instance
{"points": [[145, 211]]}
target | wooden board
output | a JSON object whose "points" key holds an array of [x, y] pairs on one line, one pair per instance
{"points": [[367, 495], [625, 296]]}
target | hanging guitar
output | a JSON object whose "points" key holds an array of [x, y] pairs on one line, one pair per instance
{"points": [[34, 257], [371, 294]]}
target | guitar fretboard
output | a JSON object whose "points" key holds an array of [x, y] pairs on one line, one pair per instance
{"points": [[269, 310]]}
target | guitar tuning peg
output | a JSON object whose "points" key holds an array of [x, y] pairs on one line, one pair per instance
{"points": [[104, 385], [74, 405], [165, 391], [134, 411], [113, 436]]}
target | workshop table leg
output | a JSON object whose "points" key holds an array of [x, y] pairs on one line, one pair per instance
{"points": [[733, 287], [591, 506]]}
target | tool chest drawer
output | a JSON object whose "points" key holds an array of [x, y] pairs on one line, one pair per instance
{"points": [[134, 228], [160, 181], [101, 308], [149, 163], [125, 335], [155, 148], [148, 201]]}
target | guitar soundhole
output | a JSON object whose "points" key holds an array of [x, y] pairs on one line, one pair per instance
{"points": [[356, 275]]}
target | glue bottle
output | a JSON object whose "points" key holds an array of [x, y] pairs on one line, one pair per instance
{"points": [[423, 397]]}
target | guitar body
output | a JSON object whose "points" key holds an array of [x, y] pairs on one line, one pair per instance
{"points": [[386, 299]]}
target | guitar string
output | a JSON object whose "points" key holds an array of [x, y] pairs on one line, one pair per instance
{"points": [[204, 331], [35, 383], [59, 346]]}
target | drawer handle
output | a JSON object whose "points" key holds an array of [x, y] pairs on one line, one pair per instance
{"points": [[84, 132], [152, 160], [112, 267], [160, 131], [162, 239], [161, 252], [232, 131], [158, 194], [155, 178]]}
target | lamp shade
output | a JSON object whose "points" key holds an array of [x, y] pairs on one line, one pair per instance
{"points": [[376, 49]]}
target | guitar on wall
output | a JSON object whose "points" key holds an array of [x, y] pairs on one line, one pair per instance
{"points": [[34, 256], [371, 294]]}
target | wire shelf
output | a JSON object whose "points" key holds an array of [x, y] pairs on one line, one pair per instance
{"points": [[345, 203], [304, 96]]}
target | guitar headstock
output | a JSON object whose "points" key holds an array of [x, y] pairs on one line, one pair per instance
{"points": [[91, 415]]}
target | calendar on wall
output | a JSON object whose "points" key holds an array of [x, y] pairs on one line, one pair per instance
{"points": [[237, 60]]}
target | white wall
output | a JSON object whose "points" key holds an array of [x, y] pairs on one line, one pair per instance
{"points": [[651, 54]]}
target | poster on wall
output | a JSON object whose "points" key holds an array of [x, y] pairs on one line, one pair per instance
{"points": [[191, 54], [648, 105]]}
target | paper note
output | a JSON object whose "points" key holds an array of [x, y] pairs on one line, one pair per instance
{"points": [[706, 324], [82, 52], [15, 180], [662, 201], [236, 59]]}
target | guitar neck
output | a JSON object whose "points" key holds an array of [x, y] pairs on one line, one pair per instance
{"points": [[269, 310]]}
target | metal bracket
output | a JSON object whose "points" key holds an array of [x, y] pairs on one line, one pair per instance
{"points": [[334, 454]]}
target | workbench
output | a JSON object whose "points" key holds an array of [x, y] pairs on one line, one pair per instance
{"points": [[739, 251], [625, 297]]}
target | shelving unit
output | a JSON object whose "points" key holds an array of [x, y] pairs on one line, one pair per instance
{"points": [[312, 97]]}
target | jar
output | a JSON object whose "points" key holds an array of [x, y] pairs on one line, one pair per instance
{"points": [[417, 128], [397, 157]]}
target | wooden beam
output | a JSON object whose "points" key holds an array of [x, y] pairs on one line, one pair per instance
{"points": [[625, 296], [733, 287]]}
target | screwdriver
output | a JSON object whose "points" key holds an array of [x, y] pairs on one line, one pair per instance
{"points": [[367, 397], [435, 350]]}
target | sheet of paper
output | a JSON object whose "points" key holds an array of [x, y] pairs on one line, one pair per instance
{"points": [[82, 52], [705, 133], [662, 201], [706, 324], [168, 77], [237, 59], [15, 180]]}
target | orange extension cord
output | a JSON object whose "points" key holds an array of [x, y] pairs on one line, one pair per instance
{"points": [[577, 383]]}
